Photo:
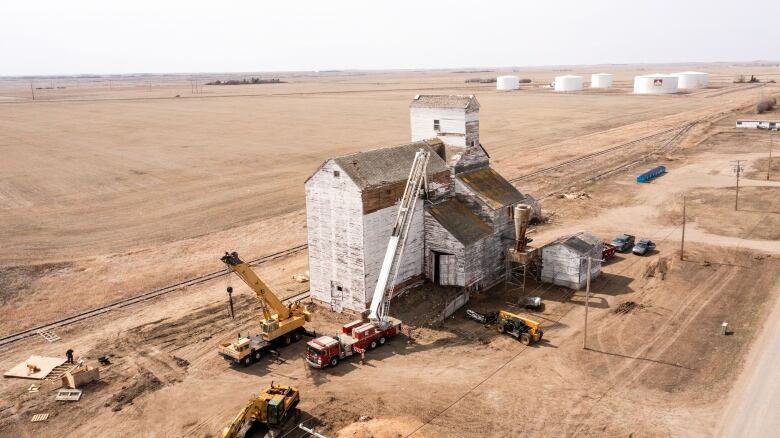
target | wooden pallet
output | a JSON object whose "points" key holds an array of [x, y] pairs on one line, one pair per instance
{"points": [[39, 417], [56, 374], [49, 336], [68, 395]]}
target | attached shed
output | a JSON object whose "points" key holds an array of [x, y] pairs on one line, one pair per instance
{"points": [[564, 261], [493, 199], [454, 241]]}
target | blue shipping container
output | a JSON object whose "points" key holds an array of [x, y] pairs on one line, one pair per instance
{"points": [[651, 174]]}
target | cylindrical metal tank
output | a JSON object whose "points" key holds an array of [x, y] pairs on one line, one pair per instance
{"points": [[691, 80], [600, 80], [568, 83], [505, 83], [522, 212], [655, 84]]}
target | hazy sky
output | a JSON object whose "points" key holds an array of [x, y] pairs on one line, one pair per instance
{"points": [[86, 36]]}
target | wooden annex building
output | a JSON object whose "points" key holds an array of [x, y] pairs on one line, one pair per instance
{"points": [[459, 234]]}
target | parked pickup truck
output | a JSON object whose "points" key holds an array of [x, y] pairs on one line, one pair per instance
{"points": [[624, 242]]}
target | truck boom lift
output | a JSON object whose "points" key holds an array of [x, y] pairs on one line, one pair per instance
{"points": [[418, 179], [359, 336]]}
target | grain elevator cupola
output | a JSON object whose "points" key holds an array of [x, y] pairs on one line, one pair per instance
{"points": [[455, 121]]}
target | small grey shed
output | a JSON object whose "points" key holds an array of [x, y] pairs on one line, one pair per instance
{"points": [[564, 260]]}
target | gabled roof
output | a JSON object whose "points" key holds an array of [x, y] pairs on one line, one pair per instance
{"points": [[460, 221], [444, 101], [491, 187], [390, 164], [581, 243]]}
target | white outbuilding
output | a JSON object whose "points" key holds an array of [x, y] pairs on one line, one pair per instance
{"points": [[656, 83], [691, 80], [565, 260], [568, 83], [506, 83], [601, 80]]}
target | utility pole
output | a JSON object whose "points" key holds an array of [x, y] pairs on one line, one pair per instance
{"points": [[682, 241], [771, 145], [32, 90], [737, 167], [587, 298]]}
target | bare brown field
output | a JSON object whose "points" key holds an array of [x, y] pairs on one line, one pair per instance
{"points": [[116, 183], [106, 193]]}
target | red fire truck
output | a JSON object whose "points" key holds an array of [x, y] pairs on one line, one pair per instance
{"points": [[355, 337]]}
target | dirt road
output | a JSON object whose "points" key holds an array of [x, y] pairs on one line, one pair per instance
{"points": [[753, 408]]}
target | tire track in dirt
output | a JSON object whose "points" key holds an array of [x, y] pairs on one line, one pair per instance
{"points": [[630, 371]]}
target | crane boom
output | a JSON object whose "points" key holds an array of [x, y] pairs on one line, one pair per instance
{"points": [[262, 290], [418, 179]]}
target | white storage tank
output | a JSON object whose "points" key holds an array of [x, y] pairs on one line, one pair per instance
{"points": [[691, 80], [568, 83], [504, 83], [600, 80], [655, 84]]}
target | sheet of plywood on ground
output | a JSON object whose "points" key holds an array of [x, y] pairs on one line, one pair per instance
{"points": [[44, 364]]}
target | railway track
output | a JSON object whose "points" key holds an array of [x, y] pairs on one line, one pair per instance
{"points": [[602, 152], [148, 296], [663, 148]]}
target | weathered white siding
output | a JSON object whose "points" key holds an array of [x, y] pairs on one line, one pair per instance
{"points": [[487, 257], [438, 239], [452, 125], [563, 266], [334, 216], [377, 227]]}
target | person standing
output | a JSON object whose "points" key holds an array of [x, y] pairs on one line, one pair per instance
{"points": [[69, 355]]}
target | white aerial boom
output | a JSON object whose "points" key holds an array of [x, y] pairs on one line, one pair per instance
{"points": [[418, 179]]}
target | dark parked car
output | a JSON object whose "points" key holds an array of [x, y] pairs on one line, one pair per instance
{"points": [[644, 247], [623, 242]]}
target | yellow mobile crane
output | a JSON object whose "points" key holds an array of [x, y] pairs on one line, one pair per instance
{"points": [[281, 324], [271, 409]]}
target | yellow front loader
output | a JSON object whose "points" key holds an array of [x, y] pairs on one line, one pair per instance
{"points": [[269, 410], [524, 329]]}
